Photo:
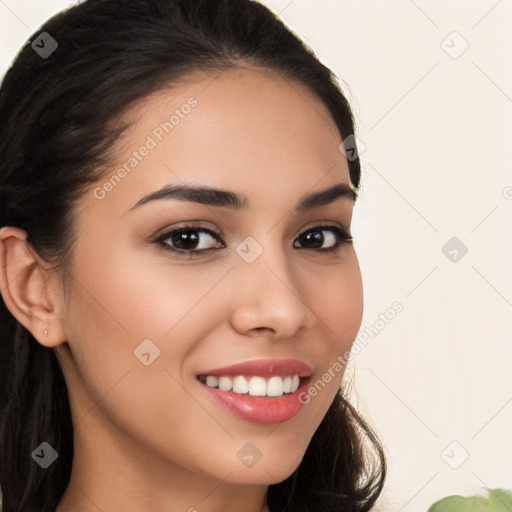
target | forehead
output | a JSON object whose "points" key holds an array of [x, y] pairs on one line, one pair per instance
{"points": [[247, 130]]}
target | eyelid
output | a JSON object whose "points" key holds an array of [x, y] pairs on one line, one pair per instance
{"points": [[324, 223], [189, 224]]}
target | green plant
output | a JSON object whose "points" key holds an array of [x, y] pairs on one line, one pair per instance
{"points": [[499, 500]]}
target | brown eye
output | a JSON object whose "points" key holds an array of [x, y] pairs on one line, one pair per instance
{"points": [[319, 236], [189, 240]]}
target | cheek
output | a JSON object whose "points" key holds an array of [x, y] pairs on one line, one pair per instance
{"points": [[118, 305], [336, 297], [123, 301], [142, 294]]}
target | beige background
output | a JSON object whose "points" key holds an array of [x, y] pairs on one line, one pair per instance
{"points": [[436, 124]]}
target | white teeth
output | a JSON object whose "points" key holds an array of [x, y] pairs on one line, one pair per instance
{"points": [[225, 383], [254, 386], [240, 385], [212, 381], [257, 386], [295, 383], [275, 386]]}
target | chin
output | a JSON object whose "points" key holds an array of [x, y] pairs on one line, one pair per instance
{"points": [[272, 472]]}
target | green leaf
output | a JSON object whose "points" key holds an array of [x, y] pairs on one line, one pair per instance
{"points": [[499, 500]]}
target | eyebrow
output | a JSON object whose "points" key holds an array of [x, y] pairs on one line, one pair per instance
{"points": [[227, 199]]}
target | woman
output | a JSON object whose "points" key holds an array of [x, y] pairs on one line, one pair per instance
{"points": [[179, 284]]}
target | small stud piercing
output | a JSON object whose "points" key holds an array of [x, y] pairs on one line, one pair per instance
{"points": [[46, 332]]}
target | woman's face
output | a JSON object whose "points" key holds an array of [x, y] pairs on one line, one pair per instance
{"points": [[145, 319]]}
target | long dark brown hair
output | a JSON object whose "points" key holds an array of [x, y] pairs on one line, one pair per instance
{"points": [[57, 124]]}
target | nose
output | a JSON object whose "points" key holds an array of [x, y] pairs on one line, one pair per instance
{"points": [[270, 302]]}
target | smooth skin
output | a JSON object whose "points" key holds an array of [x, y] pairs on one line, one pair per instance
{"points": [[148, 438]]}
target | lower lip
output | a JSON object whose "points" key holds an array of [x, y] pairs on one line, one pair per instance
{"points": [[260, 409]]}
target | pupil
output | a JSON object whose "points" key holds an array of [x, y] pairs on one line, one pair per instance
{"points": [[316, 237], [183, 238]]}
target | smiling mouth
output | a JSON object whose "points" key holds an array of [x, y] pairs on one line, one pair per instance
{"points": [[254, 385]]}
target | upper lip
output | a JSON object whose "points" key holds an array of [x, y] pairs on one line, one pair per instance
{"points": [[264, 368]]}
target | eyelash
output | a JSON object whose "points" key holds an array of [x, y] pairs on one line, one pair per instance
{"points": [[343, 238]]}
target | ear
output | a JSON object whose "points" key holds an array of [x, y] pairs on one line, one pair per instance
{"points": [[29, 291]]}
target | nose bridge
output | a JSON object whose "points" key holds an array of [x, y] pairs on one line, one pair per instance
{"points": [[271, 296], [264, 258]]}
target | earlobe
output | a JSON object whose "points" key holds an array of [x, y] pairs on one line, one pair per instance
{"points": [[25, 288]]}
